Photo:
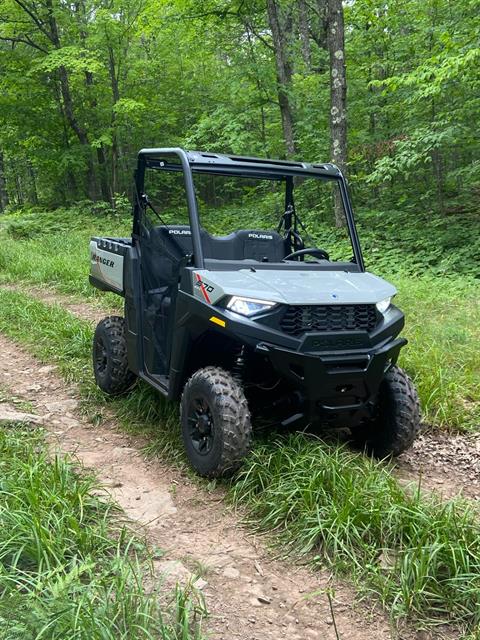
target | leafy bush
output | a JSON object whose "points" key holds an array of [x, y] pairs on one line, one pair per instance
{"points": [[419, 242], [34, 223]]}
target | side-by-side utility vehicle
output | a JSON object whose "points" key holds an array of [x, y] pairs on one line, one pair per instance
{"points": [[259, 321]]}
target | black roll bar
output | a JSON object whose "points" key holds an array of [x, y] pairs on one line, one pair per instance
{"points": [[190, 192], [234, 165], [352, 228]]}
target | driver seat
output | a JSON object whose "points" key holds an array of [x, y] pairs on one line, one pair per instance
{"points": [[264, 246]]}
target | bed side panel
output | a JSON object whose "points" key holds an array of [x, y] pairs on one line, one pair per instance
{"points": [[107, 257]]}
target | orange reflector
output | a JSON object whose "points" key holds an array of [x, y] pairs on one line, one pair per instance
{"points": [[219, 321]]}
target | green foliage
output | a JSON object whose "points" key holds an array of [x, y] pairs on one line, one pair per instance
{"points": [[419, 554], [67, 569], [414, 93], [74, 111], [418, 242], [75, 59], [409, 154], [35, 222]]}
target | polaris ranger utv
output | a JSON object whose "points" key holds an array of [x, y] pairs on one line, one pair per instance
{"points": [[257, 321]]}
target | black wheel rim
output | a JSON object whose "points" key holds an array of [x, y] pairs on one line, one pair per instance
{"points": [[200, 425], [101, 356]]}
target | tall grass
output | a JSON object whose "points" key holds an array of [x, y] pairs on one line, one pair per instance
{"points": [[419, 555], [443, 328], [53, 333], [68, 569]]}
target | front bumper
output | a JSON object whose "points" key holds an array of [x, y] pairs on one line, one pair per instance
{"points": [[337, 389]]}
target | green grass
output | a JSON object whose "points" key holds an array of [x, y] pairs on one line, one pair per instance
{"points": [[45, 250], [54, 333], [443, 327], [419, 556], [68, 567]]}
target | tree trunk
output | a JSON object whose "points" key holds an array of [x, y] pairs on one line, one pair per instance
{"points": [[261, 95], [33, 185], [68, 109], [19, 190], [101, 155], [439, 177], [69, 191], [103, 175], [79, 131], [112, 68], [304, 32], [319, 32], [281, 30], [338, 95], [4, 201]]}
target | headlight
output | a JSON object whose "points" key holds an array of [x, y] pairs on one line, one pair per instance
{"points": [[248, 306], [383, 305]]}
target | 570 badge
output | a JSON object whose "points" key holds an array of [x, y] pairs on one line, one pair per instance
{"points": [[204, 288]]}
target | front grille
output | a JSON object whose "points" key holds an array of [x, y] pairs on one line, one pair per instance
{"points": [[334, 317]]}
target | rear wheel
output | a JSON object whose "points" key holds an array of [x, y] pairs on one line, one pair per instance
{"points": [[215, 420], [397, 423], [110, 364]]}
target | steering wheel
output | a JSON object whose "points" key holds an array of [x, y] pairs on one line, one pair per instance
{"points": [[312, 251]]}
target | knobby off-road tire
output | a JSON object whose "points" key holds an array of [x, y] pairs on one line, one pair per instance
{"points": [[398, 420], [110, 364], [215, 421]]}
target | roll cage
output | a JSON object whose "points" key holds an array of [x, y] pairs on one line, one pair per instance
{"points": [[190, 162]]}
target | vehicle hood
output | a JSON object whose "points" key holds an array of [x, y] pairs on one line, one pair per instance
{"points": [[294, 287]]}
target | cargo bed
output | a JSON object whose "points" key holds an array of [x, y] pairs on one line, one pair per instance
{"points": [[107, 256]]}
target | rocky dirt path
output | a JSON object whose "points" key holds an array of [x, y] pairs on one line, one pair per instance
{"points": [[446, 463], [250, 596]]}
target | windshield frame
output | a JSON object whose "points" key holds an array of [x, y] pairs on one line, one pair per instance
{"points": [[191, 162]]}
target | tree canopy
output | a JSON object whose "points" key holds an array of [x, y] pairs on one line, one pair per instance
{"points": [[85, 84]]}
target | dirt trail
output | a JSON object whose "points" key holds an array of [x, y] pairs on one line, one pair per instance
{"points": [[249, 595], [93, 310], [448, 464]]}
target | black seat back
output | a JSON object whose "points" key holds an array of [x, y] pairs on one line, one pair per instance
{"points": [[175, 238], [162, 251], [172, 242], [264, 246]]}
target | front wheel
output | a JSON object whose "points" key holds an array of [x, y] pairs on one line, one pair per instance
{"points": [[215, 420], [110, 364], [397, 422]]}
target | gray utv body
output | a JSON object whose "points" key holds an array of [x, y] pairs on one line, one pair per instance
{"points": [[318, 353]]}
